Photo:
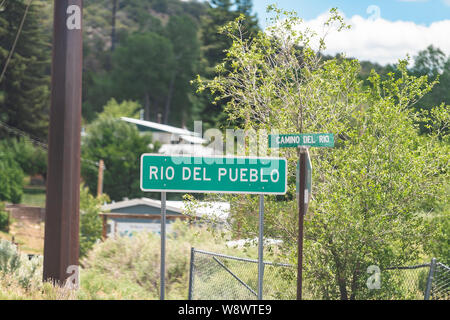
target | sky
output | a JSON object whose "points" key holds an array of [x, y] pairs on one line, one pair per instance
{"points": [[383, 31]]}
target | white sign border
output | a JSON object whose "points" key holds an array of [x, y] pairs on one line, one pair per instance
{"points": [[213, 191]]}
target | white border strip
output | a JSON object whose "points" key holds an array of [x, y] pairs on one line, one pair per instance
{"points": [[213, 191]]}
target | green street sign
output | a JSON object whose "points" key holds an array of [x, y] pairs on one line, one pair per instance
{"points": [[211, 174], [304, 139]]}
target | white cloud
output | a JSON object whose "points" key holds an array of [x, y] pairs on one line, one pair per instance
{"points": [[384, 41], [446, 2]]}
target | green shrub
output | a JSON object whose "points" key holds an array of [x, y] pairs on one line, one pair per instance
{"points": [[9, 257], [136, 260], [90, 220], [25, 271], [31, 159], [97, 286], [17, 271], [4, 218], [11, 178]]}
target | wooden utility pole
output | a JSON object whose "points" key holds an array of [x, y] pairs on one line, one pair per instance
{"points": [[61, 245], [302, 142], [101, 166], [301, 217]]}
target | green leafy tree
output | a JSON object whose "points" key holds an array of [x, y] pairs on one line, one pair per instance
{"points": [[120, 145], [90, 220], [116, 110], [219, 14], [190, 27], [440, 247], [429, 62], [434, 64], [108, 25], [215, 43], [30, 157], [11, 178], [374, 194], [4, 218], [25, 85], [183, 34], [142, 69]]}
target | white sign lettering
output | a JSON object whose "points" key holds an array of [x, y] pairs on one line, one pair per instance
{"points": [[203, 174]]}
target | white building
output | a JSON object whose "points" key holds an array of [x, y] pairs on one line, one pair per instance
{"points": [[162, 132], [174, 141]]}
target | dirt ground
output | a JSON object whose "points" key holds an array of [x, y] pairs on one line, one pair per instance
{"points": [[28, 234]]}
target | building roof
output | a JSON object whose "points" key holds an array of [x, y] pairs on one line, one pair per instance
{"points": [[218, 210], [185, 149], [136, 202], [153, 126], [193, 139]]}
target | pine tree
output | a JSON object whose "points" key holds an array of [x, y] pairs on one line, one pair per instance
{"points": [[215, 44], [220, 13], [24, 101], [182, 31], [141, 71]]}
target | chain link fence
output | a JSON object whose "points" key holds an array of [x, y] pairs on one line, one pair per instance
{"points": [[216, 276], [429, 281], [404, 283], [440, 282]]}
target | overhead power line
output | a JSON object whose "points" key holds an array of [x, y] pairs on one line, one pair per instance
{"points": [[15, 40], [36, 141], [3, 5], [43, 145]]}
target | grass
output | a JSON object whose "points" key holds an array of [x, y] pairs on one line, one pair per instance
{"points": [[34, 196], [28, 235], [128, 268]]}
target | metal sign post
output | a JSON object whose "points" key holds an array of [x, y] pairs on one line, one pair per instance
{"points": [[61, 245], [302, 152], [261, 247], [244, 175], [163, 245]]}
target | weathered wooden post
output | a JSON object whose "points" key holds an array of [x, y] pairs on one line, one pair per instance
{"points": [[61, 247], [101, 165], [302, 141]]}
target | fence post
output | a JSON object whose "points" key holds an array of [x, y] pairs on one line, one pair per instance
{"points": [[430, 279], [191, 274], [8, 223]]}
